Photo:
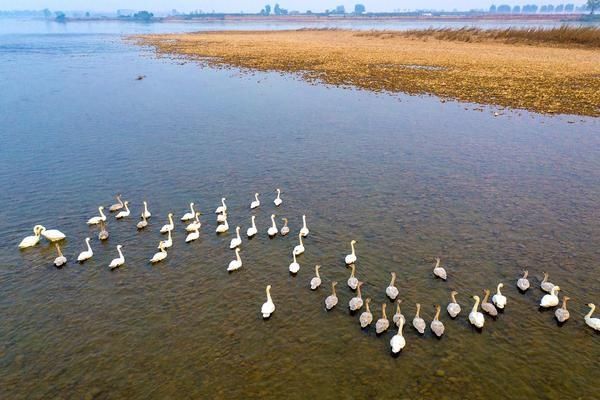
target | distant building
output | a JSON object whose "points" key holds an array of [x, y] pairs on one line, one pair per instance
{"points": [[125, 13]]}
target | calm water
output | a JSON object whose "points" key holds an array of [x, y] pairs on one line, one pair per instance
{"points": [[410, 178]]}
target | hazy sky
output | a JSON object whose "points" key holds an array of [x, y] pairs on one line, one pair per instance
{"points": [[256, 5]]}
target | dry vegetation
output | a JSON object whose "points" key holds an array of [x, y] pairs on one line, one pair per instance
{"points": [[539, 72]]}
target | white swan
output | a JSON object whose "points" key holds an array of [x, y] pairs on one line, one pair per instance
{"points": [[315, 282], [116, 207], [284, 229], [103, 233], [304, 230], [356, 302], [475, 317], [545, 285], [398, 315], [299, 249], [252, 230], [366, 317], [453, 307], [237, 263], [222, 208], [523, 283], [593, 323], [436, 325], [499, 299], [392, 291], [268, 307], [161, 255], [438, 271], [123, 214], [236, 241], [418, 322], [224, 227], [117, 262], [351, 258], [398, 342], [87, 254], [222, 217], [30, 241], [550, 300], [196, 225], [168, 227], [272, 231], [146, 213], [331, 300], [256, 202], [61, 259], [382, 323], [53, 235], [352, 280], [562, 314], [166, 243], [143, 223], [192, 236], [96, 220], [294, 266], [190, 215], [278, 200]]}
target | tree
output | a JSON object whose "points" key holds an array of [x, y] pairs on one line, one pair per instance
{"points": [[593, 5], [143, 15], [340, 10], [569, 7], [47, 13], [544, 9], [559, 8], [516, 10], [267, 9], [504, 9], [60, 16], [493, 8], [277, 9], [359, 9]]}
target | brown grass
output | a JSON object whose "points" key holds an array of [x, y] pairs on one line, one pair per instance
{"points": [[543, 78]]}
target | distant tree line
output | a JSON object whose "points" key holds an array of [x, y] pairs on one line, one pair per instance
{"points": [[591, 5], [278, 10]]}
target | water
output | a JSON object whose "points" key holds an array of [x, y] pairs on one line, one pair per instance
{"points": [[409, 178]]}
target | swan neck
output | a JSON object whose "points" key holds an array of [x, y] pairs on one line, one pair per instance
{"points": [[476, 305], [498, 289], [101, 213], [304, 221], [58, 249], [120, 252], [487, 295], [393, 280], [317, 272], [269, 300], [383, 311], [237, 255], [437, 313], [352, 271], [418, 310], [592, 308], [300, 239], [453, 296], [352, 245], [88, 245], [358, 293]]}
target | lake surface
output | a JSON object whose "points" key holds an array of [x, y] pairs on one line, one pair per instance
{"points": [[410, 178]]}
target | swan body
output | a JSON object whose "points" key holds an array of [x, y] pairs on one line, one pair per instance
{"points": [[252, 230], [299, 249], [352, 281], [31, 241], [366, 317], [192, 236], [418, 322], [161, 255], [123, 214], [294, 266], [194, 226], [523, 283], [87, 254], [382, 323], [61, 259], [255, 203], [392, 291], [487, 306], [278, 200], [237, 263], [96, 220], [146, 214], [53, 235], [222, 208], [304, 230], [356, 302], [315, 282], [190, 215], [545, 285], [499, 299], [268, 307], [236, 241], [117, 262], [168, 243], [272, 231], [562, 314], [398, 316], [438, 271], [398, 342], [475, 317], [436, 325], [453, 307], [593, 323], [117, 206], [224, 227], [331, 300], [143, 223], [168, 227], [222, 217], [103, 233], [284, 229], [351, 258], [550, 300]]}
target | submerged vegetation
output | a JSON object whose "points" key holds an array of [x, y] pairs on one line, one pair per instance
{"points": [[547, 71]]}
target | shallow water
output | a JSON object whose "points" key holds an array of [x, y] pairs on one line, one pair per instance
{"points": [[410, 178]]}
